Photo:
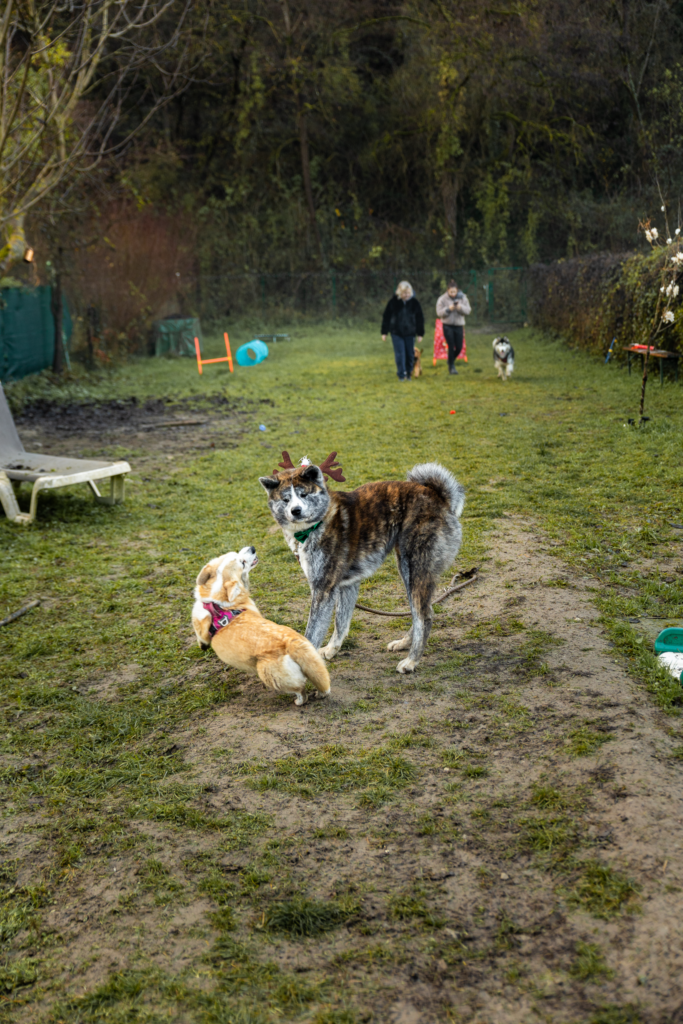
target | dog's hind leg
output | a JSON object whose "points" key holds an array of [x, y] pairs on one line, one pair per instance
{"points": [[284, 676], [346, 602], [422, 594], [404, 643]]}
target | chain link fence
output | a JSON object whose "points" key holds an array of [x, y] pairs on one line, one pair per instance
{"points": [[498, 295]]}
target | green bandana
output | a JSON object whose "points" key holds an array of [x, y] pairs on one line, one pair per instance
{"points": [[301, 535]]}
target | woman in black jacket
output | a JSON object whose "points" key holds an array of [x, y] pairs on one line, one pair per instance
{"points": [[403, 319]]}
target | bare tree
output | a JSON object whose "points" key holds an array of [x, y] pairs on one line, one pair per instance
{"points": [[67, 71]]}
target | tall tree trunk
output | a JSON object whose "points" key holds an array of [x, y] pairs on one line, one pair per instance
{"points": [[56, 305], [91, 326], [306, 175], [449, 195]]}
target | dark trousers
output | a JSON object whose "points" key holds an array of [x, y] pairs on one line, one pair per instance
{"points": [[404, 353], [454, 338]]}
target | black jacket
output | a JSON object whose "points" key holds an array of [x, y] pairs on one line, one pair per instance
{"points": [[403, 318]]}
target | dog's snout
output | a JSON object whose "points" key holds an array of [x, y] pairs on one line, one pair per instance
{"points": [[296, 512]]}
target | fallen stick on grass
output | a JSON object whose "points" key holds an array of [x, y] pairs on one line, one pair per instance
{"points": [[19, 613], [467, 578], [171, 423]]}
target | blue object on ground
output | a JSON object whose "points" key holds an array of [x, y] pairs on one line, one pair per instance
{"points": [[252, 353], [670, 639], [262, 427]]}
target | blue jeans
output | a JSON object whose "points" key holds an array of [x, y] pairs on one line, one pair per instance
{"points": [[404, 353]]}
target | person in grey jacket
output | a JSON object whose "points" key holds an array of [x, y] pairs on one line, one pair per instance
{"points": [[452, 307]]}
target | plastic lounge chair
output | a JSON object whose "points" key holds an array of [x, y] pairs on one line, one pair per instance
{"points": [[47, 471]]}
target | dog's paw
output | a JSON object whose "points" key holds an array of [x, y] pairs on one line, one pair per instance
{"points": [[328, 652], [320, 696], [407, 665], [300, 699], [204, 646], [399, 645]]}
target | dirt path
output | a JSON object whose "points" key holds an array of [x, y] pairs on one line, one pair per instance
{"points": [[508, 847]]}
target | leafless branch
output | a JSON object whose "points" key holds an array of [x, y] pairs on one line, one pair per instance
{"points": [[53, 57]]}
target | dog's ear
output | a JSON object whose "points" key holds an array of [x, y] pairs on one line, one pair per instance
{"points": [[269, 483], [313, 475], [207, 573]]}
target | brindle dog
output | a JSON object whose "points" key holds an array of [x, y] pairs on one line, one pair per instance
{"points": [[342, 537]]}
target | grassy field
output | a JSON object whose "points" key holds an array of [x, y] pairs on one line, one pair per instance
{"points": [[171, 830]]}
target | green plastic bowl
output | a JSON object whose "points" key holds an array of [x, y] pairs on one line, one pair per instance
{"points": [[670, 639]]}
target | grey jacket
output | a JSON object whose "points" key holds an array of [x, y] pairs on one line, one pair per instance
{"points": [[457, 319]]}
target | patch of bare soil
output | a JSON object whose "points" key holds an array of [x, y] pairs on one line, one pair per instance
{"points": [[531, 868], [153, 428]]}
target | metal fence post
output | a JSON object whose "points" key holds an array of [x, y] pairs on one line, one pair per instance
{"points": [[334, 293]]}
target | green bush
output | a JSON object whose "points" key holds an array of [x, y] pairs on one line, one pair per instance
{"points": [[592, 299]]}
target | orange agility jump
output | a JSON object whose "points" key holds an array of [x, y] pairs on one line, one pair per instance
{"points": [[224, 359]]}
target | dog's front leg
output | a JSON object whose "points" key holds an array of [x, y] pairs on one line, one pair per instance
{"points": [[346, 602], [201, 623], [319, 617]]}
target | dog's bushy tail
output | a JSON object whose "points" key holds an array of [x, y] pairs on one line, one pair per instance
{"points": [[432, 474], [311, 664]]}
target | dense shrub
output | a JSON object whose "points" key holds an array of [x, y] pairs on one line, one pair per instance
{"points": [[592, 299]]}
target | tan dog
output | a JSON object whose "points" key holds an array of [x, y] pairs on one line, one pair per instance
{"points": [[417, 366], [225, 618]]}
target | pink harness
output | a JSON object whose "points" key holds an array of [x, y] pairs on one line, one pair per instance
{"points": [[220, 617]]}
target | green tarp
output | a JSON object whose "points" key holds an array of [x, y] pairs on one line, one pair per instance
{"points": [[27, 332], [176, 337]]}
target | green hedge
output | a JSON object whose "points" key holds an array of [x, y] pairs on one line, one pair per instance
{"points": [[592, 299]]}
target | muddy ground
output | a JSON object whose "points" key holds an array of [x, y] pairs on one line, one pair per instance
{"points": [[155, 427], [542, 809]]}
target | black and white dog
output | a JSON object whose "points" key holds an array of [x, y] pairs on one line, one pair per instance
{"points": [[503, 357]]}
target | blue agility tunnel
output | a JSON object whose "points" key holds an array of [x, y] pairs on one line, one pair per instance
{"points": [[252, 353]]}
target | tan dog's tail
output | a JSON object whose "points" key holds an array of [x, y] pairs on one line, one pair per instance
{"points": [[311, 664]]}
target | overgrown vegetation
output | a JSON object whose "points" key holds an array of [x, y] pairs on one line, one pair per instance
{"points": [[279, 144], [594, 299]]}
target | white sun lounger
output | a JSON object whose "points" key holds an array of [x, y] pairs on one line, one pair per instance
{"points": [[47, 471]]}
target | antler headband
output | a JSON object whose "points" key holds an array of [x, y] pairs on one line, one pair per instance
{"points": [[328, 467]]}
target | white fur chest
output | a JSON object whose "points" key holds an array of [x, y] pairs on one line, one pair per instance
{"points": [[299, 549], [304, 561]]}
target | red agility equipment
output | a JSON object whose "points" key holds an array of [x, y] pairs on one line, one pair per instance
{"points": [[440, 346]]}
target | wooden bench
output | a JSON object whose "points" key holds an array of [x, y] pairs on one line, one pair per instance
{"points": [[655, 353]]}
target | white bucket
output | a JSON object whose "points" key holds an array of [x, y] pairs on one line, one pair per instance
{"points": [[673, 662]]}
